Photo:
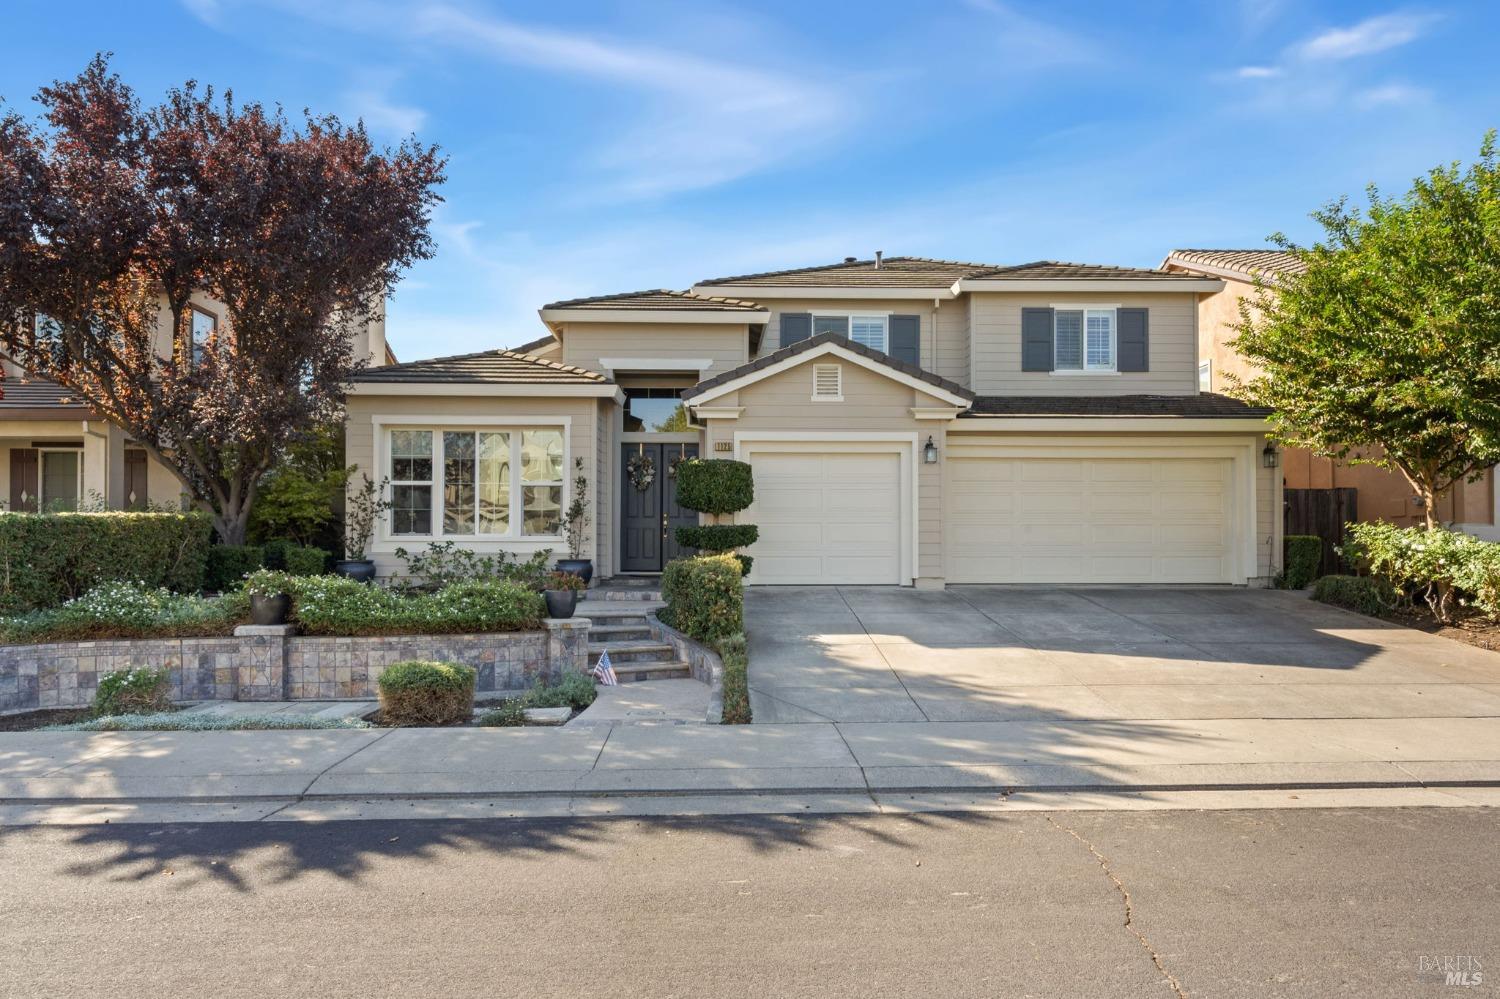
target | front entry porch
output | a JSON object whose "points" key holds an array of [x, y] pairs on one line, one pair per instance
{"points": [[649, 512]]}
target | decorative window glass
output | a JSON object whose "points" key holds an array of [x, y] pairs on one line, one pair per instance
{"points": [[471, 490], [1083, 339]]}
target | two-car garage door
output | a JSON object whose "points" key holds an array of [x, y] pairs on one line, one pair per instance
{"points": [[1088, 520], [843, 516]]}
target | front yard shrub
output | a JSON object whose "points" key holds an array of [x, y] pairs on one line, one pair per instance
{"points": [[128, 610], [228, 565], [1302, 556], [443, 562], [734, 653], [573, 689], [137, 691], [705, 597], [300, 561], [46, 559], [509, 713], [716, 538], [1444, 569], [333, 605], [418, 693], [714, 485], [1357, 593]]}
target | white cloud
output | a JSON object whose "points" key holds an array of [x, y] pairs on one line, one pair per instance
{"points": [[1257, 14], [1028, 42], [1372, 35], [384, 116], [1258, 72], [1390, 95]]}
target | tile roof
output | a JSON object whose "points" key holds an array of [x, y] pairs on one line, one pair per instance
{"points": [[921, 272], [1246, 262], [486, 367], [30, 392], [537, 344], [1209, 405], [802, 346], [893, 272], [657, 300]]}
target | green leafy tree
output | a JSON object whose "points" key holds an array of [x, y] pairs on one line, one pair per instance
{"points": [[1386, 350], [299, 496]]}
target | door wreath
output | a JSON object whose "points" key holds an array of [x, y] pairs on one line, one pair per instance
{"points": [[641, 470]]}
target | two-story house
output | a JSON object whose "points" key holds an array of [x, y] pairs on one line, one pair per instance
{"points": [[57, 454], [909, 421], [1381, 494]]}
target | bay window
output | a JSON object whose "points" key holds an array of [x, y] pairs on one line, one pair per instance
{"points": [[477, 483]]}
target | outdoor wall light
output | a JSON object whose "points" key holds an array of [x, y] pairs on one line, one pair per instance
{"points": [[929, 452], [1270, 457]]}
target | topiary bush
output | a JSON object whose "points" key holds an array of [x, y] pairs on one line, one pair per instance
{"points": [[1302, 557], [46, 559], [714, 485], [136, 691], [716, 538], [1356, 593], [228, 565], [418, 693], [705, 597], [300, 561]]}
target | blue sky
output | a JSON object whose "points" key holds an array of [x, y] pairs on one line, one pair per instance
{"points": [[598, 148]]}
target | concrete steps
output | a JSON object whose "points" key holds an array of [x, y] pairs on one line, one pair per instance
{"points": [[619, 627]]}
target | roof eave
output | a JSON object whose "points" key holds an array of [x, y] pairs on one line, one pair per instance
{"points": [[972, 421], [1226, 273], [1164, 284], [741, 317], [824, 291], [567, 390]]}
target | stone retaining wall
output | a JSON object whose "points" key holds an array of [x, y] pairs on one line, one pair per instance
{"points": [[270, 664], [704, 663]]}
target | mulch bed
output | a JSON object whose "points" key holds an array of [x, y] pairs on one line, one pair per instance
{"points": [[38, 719], [1477, 631]]}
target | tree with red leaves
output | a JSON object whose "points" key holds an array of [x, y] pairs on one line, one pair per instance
{"points": [[112, 217]]}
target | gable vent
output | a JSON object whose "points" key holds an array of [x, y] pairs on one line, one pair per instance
{"points": [[828, 383]]}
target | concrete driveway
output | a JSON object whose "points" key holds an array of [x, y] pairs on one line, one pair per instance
{"points": [[982, 653]]}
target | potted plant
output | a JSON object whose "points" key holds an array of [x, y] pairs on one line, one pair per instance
{"points": [[575, 526], [364, 506], [270, 593], [561, 592]]}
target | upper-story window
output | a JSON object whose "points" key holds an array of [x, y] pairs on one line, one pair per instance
{"points": [[203, 325], [870, 331], [1083, 339], [656, 410]]}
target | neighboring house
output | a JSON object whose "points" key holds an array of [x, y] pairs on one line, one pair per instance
{"points": [[57, 454], [909, 421], [1383, 495]]}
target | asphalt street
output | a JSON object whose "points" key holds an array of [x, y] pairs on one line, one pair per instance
{"points": [[1306, 902]]}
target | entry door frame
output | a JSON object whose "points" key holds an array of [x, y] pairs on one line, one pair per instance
{"points": [[661, 444], [903, 445]]}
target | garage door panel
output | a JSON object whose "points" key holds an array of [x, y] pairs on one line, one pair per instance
{"points": [[826, 517], [1115, 520]]}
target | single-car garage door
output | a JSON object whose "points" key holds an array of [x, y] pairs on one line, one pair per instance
{"points": [[826, 517], [1089, 520]]}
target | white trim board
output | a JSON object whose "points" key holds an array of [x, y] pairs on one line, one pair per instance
{"points": [[609, 365], [904, 445], [786, 364]]}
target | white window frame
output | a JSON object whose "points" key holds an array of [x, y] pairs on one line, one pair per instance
{"points": [[884, 318], [431, 482], [838, 374], [1113, 368], [1206, 375], [42, 499], [516, 428]]}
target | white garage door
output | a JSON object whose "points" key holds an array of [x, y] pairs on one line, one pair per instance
{"points": [[826, 517], [1107, 520]]}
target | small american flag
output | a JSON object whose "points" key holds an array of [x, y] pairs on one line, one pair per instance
{"points": [[604, 672]]}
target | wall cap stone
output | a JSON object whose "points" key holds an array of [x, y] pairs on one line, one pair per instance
{"points": [[264, 630]]}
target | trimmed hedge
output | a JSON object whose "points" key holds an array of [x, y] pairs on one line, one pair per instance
{"points": [[716, 538], [414, 693], [127, 610], [733, 651], [228, 565], [1357, 593], [309, 561], [48, 558], [1302, 557], [333, 605], [714, 485], [705, 597]]}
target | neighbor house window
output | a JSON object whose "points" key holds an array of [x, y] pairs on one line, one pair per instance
{"points": [[61, 481], [1205, 376], [203, 326], [1083, 339], [471, 487], [869, 331]]}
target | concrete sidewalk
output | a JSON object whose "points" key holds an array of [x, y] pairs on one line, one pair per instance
{"points": [[646, 759]]}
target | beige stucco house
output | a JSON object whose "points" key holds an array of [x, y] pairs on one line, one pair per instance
{"points": [[57, 454], [909, 421], [1382, 495]]}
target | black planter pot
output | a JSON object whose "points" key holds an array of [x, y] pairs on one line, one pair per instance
{"points": [[561, 603], [583, 567], [269, 610], [361, 570]]}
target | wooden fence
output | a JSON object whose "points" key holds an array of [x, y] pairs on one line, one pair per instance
{"points": [[1323, 512]]}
